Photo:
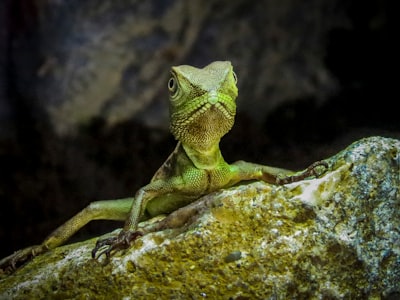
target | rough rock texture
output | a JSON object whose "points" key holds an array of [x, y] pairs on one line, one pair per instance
{"points": [[335, 237]]}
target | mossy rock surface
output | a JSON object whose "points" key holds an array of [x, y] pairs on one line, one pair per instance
{"points": [[335, 237]]}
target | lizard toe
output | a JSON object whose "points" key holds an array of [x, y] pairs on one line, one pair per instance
{"points": [[120, 242]]}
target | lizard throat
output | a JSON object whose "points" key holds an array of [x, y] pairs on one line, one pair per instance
{"points": [[205, 125]]}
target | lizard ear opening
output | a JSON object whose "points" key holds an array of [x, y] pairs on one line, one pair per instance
{"points": [[234, 77]]}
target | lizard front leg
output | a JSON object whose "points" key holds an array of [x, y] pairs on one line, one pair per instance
{"points": [[129, 232], [249, 171]]}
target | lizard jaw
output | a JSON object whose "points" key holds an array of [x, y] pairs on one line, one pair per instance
{"points": [[202, 125]]}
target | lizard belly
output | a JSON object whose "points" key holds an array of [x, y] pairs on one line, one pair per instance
{"points": [[168, 203], [197, 182]]}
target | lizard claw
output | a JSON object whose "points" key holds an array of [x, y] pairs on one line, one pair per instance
{"points": [[119, 242], [312, 170], [315, 170], [18, 258]]}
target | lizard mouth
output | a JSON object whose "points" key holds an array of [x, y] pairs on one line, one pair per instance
{"points": [[205, 123], [220, 104], [218, 108]]}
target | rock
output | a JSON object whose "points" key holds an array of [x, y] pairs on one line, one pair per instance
{"points": [[334, 237]]}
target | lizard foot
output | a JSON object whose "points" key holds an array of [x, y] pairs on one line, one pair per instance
{"points": [[119, 242], [314, 169], [10, 263]]}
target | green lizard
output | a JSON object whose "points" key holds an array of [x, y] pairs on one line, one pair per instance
{"points": [[202, 111]]}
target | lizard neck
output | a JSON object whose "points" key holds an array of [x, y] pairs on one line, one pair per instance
{"points": [[205, 159]]}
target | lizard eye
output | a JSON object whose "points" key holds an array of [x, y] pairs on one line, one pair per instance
{"points": [[234, 77], [172, 85]]}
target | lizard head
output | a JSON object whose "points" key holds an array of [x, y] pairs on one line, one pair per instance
{"points": [[202, 103]]}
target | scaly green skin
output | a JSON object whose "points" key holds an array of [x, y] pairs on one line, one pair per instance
{"points": [[202, 110]]}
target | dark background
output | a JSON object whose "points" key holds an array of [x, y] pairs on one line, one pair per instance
{"points": [[46, 177]]}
